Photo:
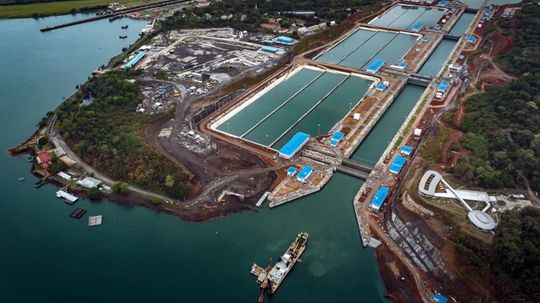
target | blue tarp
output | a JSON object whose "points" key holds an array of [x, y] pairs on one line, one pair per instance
{"points": [[375, 66], [440, 298], [442, 86], [406, 150], [135, 59], [292, 146], [285, 39], [304, 173], [291, 170], [379, 198], [397, 164]]}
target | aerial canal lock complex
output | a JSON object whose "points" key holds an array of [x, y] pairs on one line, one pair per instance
{"points": [[229, 120]]}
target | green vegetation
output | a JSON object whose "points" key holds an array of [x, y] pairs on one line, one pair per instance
{"points": [[56, 166], [249, 14], [120, 187], [94, 193], [503, 125], [42, 8], [512, 262], [106, 133]]}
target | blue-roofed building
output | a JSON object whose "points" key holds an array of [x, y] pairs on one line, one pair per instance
{"points": [[304, 173], [471, 39], [418, 26], [284, 40], [135, 60], [442, 86], [375, 66], [397, 164], [379, 198], [406, 150], [294, 145], [382, 86], [440, 298], [291, 171], [336, 137], [269, 49]]}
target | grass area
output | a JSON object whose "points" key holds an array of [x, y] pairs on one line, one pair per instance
{"points": [[56, 8]]}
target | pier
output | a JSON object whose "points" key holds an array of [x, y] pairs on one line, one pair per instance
{"points": [[115, 15]]}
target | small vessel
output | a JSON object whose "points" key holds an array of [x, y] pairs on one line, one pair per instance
{"points": [[270, 278], [122, 36], [20, 179], [125, 26]]}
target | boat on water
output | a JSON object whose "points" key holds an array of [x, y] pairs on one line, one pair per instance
{"points": [[271, 277], [21, 179], [122, 36], [125, 26]]}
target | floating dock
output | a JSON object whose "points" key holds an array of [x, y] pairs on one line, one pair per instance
{"points": [[94, 220], [78, 213]]}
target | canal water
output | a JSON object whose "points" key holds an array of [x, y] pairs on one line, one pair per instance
{"points": [[434, 63], [462, 24], [364, 46], [380, 136], [404, 17], [138, 255]]}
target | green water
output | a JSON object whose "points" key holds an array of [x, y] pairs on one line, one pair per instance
{"points": [[264, 105], [272, 128], [462, 24], [436, 60], [331, 110], [139, 255], [363, 47], [403, 17], [376, 142]]}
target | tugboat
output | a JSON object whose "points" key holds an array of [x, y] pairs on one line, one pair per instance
{"points": [[125, 26], [122, 36], [270, 278]]}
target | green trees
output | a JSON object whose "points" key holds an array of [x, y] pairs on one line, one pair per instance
{"points": [[516, 255], [106, 133], [94, 193], [121, 188], [503, 125]]}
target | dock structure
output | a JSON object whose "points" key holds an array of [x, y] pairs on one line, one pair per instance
{"points": [[95, 220], [114, 15], [68, 198]]}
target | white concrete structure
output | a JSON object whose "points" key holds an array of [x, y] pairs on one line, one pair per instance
{"points": [[89, 182], [428, 187]]}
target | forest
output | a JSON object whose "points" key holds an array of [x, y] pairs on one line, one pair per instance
{"points": [[249, 14], [503, 124], [100, 124]]}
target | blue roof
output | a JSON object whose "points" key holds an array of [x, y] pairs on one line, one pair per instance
{"points": [[418, 26], [292, 146], [379, 197], [292, 170], [381, 86], [406, 149], [305, 172], [397, 164], [337, 136], [285, 39], [135, 59], [270, 49], [440, 298], [375, 66], [442, 86], [471, 38]]}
